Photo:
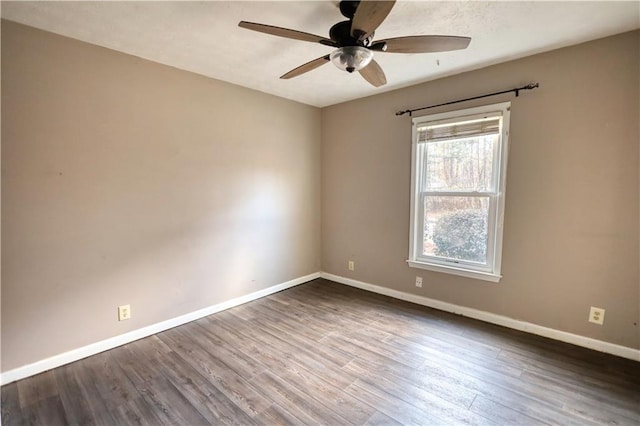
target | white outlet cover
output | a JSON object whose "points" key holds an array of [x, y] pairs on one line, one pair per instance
{"points": [[596, 315], [124, 312]]}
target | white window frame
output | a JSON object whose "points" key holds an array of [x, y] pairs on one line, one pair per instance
{"points": [[492, 270]]}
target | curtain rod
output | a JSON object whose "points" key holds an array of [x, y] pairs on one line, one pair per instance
{"points": [[517, 90]]}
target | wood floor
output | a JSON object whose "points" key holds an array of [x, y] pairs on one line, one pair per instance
{"points": [[324, 353]]}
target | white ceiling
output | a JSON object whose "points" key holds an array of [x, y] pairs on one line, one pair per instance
{"points": [[203, 37]]}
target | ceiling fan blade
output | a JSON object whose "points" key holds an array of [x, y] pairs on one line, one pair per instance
{"points": [[311, 65], [422, 44], [287, 33], [369, 15], [374, 74]]}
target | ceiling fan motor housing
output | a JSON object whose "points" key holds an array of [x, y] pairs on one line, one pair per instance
{"points": [[341, 34]]}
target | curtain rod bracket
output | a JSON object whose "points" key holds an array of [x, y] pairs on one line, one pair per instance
{"points": [[516, 90]]}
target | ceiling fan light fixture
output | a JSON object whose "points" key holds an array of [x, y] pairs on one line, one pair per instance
{"points": [[351, 58]]}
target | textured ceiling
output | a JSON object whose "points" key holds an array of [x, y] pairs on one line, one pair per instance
{"points": [[203, 37]]}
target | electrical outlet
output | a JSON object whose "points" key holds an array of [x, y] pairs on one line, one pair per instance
{"points": [[596, 315], [124, 312], [418, 281], [352, 265]]}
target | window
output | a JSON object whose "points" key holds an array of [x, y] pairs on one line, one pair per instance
{"points": [[458, 170]]}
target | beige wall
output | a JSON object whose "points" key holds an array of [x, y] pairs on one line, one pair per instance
{"points": [[125, 181], [571, 220]]}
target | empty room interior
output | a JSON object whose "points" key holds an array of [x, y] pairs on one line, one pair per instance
{"points": [[320, 212]]}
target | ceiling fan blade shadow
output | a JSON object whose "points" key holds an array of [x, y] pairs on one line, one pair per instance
{"points": [[311, 65], [374, 74], [286, 33], [369, 15], [422, 44]]}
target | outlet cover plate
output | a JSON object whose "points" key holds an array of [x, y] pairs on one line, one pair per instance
{"points": [[596, 315], [124, 312]]}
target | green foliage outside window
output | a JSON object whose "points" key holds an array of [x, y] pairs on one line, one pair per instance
{"points": [[462, 235]]}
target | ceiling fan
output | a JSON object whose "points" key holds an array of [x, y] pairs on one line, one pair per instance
{"points": [[353, 40]]}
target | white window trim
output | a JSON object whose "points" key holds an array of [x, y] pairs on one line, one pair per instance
{"points": [[497, 216]]}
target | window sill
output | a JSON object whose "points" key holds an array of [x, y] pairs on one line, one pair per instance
{"points": [[455, 271]]}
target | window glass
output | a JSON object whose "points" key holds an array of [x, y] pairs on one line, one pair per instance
{"points": [[456, 228], [460, 164]]}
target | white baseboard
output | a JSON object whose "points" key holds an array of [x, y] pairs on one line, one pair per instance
{"points": [[104, 345], [563, 336]]}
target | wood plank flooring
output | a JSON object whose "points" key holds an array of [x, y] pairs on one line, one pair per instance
{"points": [[324, 353]]}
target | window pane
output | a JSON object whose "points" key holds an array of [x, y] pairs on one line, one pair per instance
{"points": [[456, 227], [460, 164]]}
